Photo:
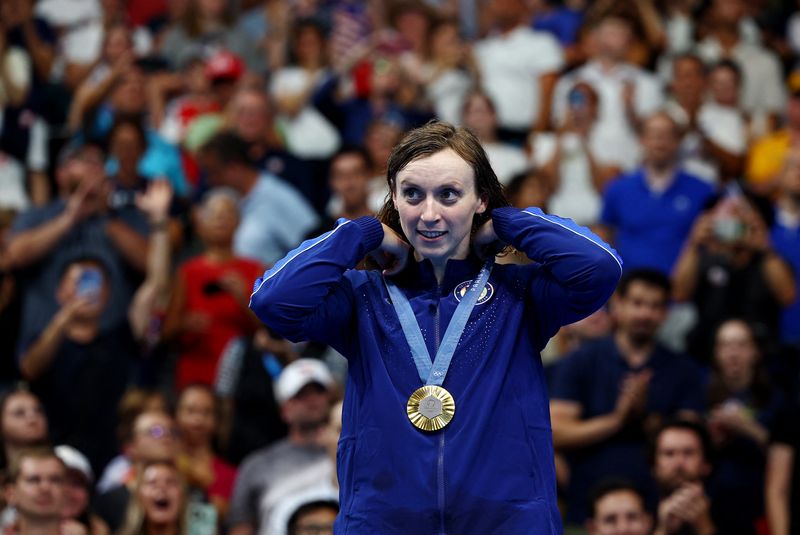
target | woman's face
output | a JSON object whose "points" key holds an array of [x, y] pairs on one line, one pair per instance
{"points": [[724, 87], [24, 422], [161, 494], [446, 44], [735, 352], [218, 219], [126, 146], [195, 416], [479, 117], [437, 200], [309, 45]]}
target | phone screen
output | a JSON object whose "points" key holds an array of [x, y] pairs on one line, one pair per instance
{"points": [[89, 283]]}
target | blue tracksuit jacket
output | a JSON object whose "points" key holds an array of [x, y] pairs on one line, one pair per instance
{"points": [[490, 470]]}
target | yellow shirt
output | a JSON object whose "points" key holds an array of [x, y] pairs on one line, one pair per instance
{"points": [[766, 157]]}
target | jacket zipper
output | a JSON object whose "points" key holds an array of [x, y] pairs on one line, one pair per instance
{"points": [[440, 457]]}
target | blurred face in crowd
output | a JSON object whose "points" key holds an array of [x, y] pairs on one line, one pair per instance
{"points": [[85, 280], [76, 494], [620, 512], [789, 183], [723, 85], [85, 169], [196, 416], [736, 352], [640, 311], [24, 422], [534, 191], [679, 459], [128, 147], [688, 80], [349, 179], [380, 139], [309, 46], [118, 42], [506, 14], [38, 491], [251, 115], [660, 140], [437, 199], [728, 12], [612, 38], [309, 408], [479, 116], [446, 44], [130, 93], [161, 494], [316, 521], [413, 24], [218, 218], [153, 438], [195, 78], [212, 9]]}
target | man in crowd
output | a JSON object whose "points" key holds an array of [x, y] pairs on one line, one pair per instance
{"points": [[680, 466], [274, 216], [608, 394], [292, 465], [35, 489], [650, 211], [618, 508]]}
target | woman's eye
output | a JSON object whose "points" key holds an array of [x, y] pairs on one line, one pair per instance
{"points": [[412, 194], [449, 195]]}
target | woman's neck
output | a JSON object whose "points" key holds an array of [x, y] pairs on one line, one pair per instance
{"points": [[197, 450], [219, 253], [161, 529], [39, 526]]}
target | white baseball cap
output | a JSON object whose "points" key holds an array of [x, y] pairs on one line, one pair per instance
{"points": [[299, 374], [75, 460]]}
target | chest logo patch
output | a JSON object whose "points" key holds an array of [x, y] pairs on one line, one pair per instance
{"points": [[461, 290]]}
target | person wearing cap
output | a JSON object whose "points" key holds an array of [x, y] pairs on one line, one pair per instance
{"points": [[299, 462], [78, 490]]}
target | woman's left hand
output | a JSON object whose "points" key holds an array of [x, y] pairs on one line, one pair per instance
{"points": [[485, 242]]}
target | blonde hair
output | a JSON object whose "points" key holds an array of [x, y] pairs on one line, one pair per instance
{"points": [[135, 516]]}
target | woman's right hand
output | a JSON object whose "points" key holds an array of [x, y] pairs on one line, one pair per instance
{"points": [[392, 255]]}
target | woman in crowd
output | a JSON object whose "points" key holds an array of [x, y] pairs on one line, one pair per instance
{"points": [[743, 407], [22, 422], [158, 503], [197, 418]]}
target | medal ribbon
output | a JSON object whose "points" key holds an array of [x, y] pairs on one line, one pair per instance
{"points": [[433, 373]]}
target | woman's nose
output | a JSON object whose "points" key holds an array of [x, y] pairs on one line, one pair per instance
{"points": [[430, 212]]}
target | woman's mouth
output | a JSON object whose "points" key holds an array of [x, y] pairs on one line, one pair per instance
{"points": [[162, 503], [431, 234]]}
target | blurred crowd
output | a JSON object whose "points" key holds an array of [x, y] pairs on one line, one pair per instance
{"points": [[157, 156]]}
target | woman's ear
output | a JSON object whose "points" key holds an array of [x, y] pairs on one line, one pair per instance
{"points": [[483, 205]]}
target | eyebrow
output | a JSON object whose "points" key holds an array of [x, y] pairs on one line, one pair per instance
{"points": [[450, 183]]}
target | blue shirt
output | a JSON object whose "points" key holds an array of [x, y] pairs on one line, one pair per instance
{"points": [[591, 376], [651, 228], [786, 241], [491, 469]]}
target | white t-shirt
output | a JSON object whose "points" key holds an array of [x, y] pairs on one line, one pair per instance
{"points": [[447, 93], [612, 122], [511, 66], [14, 174], [506, 160]]}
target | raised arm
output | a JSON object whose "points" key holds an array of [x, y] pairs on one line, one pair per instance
{"points": [[305, 295], [580, 271]]}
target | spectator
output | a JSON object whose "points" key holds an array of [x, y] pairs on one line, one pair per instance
{"points": [[43, 240], [783, 475], [767, 154], [349, 181], [701, 154], [618, 508], [297, 463], [627, 94], [518, 70], [79, 370], [35, 489], [729, 268], [313, 518], [158, 502], [448, 72], [208, 305], [381, 137], [307, 134], [274, 217], [530, 188], [763, 92], [127, 142], [23, 424], [197, 419], [609, 393], [785, 235], [579, 162], [78, 483], [479, 115], [152, 440], [206, 26], [681, 464], [563, 20], [743, 406], [650, 211]]}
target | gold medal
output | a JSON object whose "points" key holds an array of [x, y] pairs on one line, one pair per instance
{"points": [[431, 408]]}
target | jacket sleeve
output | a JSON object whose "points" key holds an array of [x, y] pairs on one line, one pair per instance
{"points": [[576, 272], [305, 296]]}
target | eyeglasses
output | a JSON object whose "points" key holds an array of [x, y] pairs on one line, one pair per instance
{"points": [[160, 431]]}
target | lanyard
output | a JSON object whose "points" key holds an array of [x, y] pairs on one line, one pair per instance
{"points": [[433, 373]]}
